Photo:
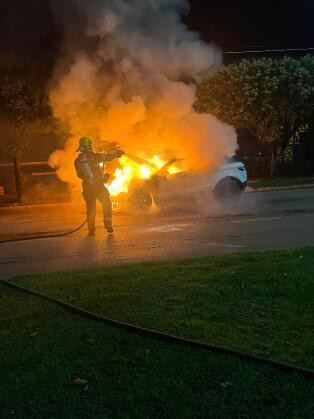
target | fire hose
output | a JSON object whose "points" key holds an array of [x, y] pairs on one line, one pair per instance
{"points": [[160, 336], [45, 236]]}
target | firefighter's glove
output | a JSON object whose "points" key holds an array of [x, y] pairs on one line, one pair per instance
{"points": [[119, 153]]}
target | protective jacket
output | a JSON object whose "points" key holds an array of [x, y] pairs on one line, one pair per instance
{"points": [[87, 165]]}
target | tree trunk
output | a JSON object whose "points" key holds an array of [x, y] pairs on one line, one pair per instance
{"points": [[274, 160], [18, 176], [283, 147]]}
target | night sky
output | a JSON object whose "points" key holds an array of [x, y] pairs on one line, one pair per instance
{"points": [[27, 26], [242, 24]]}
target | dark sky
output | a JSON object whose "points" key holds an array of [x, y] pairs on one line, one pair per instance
{"points": [[27, 26], [257, 23]]}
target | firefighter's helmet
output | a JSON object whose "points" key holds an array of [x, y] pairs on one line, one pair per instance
{"points": [[85, 144]]}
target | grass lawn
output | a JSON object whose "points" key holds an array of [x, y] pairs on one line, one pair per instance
{"points": [[262, 303], [271, 183]]}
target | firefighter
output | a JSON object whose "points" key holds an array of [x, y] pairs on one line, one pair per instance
{"points": [[87, 166]]}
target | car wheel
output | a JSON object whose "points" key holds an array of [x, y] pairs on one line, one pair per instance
{"points": [[140, 201], [227, 190]]}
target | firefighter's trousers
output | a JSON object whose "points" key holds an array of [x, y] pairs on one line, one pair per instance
{"points": [[99, 192]]}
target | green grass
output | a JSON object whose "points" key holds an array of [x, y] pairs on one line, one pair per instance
{"points": [[262, 303], [270, 183]]}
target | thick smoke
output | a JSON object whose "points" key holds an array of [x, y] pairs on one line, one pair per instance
{"points": [[128, 75]]}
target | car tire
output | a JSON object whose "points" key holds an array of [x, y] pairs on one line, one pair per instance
{"points": [[140, 201], [228, 190]]}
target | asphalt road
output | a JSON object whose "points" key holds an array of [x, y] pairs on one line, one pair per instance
{"points": [[262, 220]]}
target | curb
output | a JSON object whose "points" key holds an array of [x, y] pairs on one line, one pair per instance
{"points": [[281, 188]]}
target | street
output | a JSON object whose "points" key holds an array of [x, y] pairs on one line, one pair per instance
{"points": [[260, 221]]}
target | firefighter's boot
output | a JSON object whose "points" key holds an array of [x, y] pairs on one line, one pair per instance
{"points": [[108, 224], [91, 225]]}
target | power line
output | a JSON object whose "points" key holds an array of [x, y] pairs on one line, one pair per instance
{"points": [[268, 50]]}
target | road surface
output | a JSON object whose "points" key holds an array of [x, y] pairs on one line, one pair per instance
{"points": [[261, 220]]}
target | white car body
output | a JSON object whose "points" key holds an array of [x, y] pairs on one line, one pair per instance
{"points": [[195, 182], [225, 184]]}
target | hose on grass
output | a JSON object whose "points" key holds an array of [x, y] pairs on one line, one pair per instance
{"points": [[45, 236], [164, 337]]}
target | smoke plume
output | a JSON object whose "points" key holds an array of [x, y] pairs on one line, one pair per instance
{"points": [[128, 75]]}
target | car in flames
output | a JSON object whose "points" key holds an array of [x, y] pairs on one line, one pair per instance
{"points": [[188, 187]]}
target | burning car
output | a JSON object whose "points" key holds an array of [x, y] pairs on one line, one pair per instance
{"points": [[167, 189]]}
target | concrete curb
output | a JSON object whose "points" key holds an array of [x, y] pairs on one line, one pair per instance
{"points": [[281, 188]]}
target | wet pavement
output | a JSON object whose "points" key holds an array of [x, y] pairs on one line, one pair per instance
{"points": [[262, 220]]}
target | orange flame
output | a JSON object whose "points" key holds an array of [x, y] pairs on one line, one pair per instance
{"points": [[131, 170]]}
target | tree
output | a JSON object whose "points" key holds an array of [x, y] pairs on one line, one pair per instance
{"points": [[24, 111], [271, 97]]}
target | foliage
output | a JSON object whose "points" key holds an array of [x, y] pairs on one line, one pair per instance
{"points": [[271, 97], [24, 110]]}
